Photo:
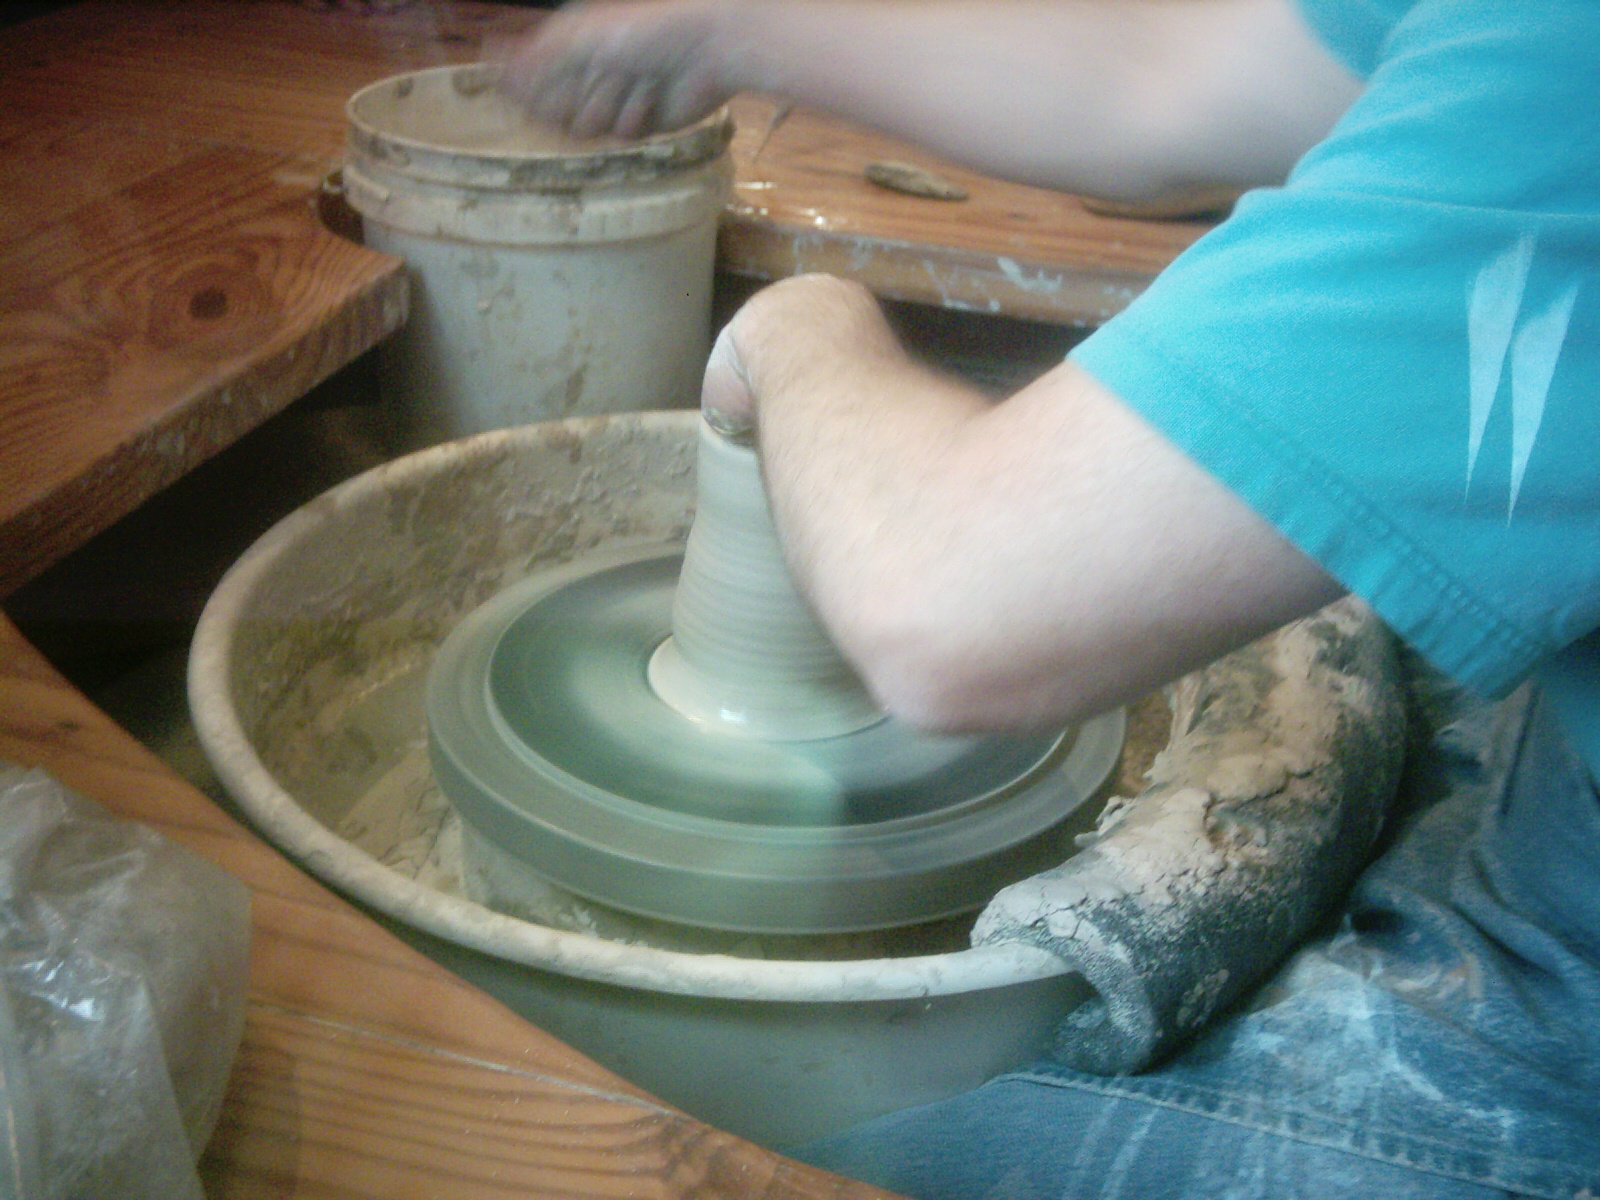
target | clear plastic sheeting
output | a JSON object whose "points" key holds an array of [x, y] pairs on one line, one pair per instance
{"points": [[123, 961]]}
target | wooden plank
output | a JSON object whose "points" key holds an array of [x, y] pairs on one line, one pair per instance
{"points": [[1026, 286], [51, 167], [366, 1069], [270, 76], [308, 1103], [147, 329], [165, 284], [802, 203]]}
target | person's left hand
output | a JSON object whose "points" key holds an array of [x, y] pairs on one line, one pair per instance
{"points": [[625, 68]]}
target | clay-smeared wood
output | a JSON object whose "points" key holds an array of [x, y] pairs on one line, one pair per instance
{"points": [[803, 202], [367, 1070]]}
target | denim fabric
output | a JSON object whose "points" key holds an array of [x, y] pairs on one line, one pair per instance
{"points": [[1016, 1140], [1442, 1041]]}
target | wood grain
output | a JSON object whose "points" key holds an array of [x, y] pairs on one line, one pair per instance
{"points": [[366, 1069], [267, 76], [802, 202], [152, 327], [165, 283], [51, 167]]}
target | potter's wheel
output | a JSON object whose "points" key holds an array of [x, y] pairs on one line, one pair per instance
{"points": [[308, 674], [572, 736]]}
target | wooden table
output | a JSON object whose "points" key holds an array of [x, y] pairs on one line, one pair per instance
{"points": [[165, 285], [802, 202]]}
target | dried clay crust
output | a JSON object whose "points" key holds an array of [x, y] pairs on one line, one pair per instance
{"points": [[1264, 805]]}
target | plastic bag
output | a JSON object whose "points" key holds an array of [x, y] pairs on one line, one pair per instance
{"points": [[123, 961]]}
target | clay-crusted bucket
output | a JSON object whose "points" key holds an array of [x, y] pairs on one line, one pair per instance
{"points": [[306, 688], [550, 278]]}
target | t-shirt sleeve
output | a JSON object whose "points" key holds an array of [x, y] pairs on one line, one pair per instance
{"points": [[1395, 357]]}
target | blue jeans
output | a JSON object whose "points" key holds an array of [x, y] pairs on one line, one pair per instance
{"points": [[1441, 1041]]}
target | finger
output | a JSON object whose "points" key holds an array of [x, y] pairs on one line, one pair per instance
{"points": [[597, 109], [528, 60], [725, 397], [555, 98], [687, 98], [546, 71], [636, 115]]}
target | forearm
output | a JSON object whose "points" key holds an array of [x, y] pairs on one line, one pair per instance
{"points": [[1080, 95], [1044, 93], [1120, 98], [996, 565]]}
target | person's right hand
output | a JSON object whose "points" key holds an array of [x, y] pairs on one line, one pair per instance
{"points": [[626, 67]]}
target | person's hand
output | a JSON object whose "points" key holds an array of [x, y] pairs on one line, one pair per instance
{"points": [[625, 67], [793, 325]]}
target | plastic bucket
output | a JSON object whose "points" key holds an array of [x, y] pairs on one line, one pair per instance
{"points": [[549, 278]]}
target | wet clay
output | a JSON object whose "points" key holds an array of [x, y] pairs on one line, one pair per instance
{"points": [[678, 738], [747, 655]]}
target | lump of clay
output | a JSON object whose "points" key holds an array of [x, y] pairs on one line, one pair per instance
{"points": [[1265, 804]]}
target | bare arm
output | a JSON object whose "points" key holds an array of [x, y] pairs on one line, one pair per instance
{"points": [[991, 565], [1120, 98]]}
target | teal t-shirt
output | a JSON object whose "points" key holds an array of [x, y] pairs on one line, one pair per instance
{"points": [[1395, 357]]}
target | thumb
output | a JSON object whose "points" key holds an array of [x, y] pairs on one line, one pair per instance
{"points": [[726, 400]]}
